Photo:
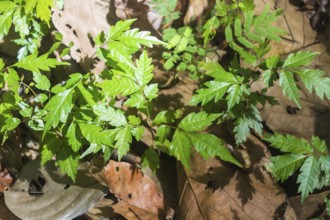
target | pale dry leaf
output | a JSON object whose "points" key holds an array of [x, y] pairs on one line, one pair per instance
{"points": [[129, 184], [132, 212]]}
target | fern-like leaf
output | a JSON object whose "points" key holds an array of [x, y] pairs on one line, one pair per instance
{"points": [[197, 121], [313, 79], [289, 87], [285, 165], [214, 91], [298, 59], [34, 63], [289, 144], [136, 38], [308, 177], [143, 72], [209, 146], [59, 107], [119, 28], [124, 139]]}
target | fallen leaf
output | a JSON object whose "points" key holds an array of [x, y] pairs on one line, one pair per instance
{"points": [[129, 184], [5, 179], [131, 212], [41, 193], [217, 190]]}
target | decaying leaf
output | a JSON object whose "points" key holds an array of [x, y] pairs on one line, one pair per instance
{"points": [[129, 184], [41, 193], [215, 190], [131, 212], [5, 179]]}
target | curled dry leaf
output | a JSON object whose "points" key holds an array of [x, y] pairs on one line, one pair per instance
{"points": [[129, 184]]}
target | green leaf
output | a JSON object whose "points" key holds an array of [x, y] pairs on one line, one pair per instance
{"points": [[42, 82], [114, 117], [234, 96], [229, 34], [289, 144], [68, 162], [313, 79], [164, 117], [308, 177], [59, 107], [181, 148], [26, 110], [7, 6], [300, 58], [74, 138], [269, 77], [136, 38], [150, 159], [271, 62], [285, 165], [34, 63], [43, 10], [30, 5], [86, 94], [136, 101], [319, 145], [151, 91], [124, 139], [120, 53], [162, 133], [5, 23], [289, 87], [119, 86], [197, 121], [119, 28], [138, 132], [50, 147], [250, 119], [238, 27], [91, 132], [216, 71], [209, 29], [209, 145], [214, 91], [144, 71]]}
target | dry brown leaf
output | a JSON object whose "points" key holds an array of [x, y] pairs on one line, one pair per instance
{"points": [[132, 212], [5, 179], [216, 190], [129, 184]]}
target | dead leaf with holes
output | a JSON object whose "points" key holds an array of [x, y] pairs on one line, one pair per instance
{"points": [[140, 193], [214, 190]]}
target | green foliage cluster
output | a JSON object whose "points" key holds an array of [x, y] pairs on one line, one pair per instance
{"points": [[312, 159], [104, 113], [166, 9]]}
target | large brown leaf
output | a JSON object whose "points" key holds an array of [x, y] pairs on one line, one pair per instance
{"points": [[216, 190], [137, 189]]}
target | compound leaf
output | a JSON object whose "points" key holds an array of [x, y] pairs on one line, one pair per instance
{"points": [[143, 72], [34, 63]]}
